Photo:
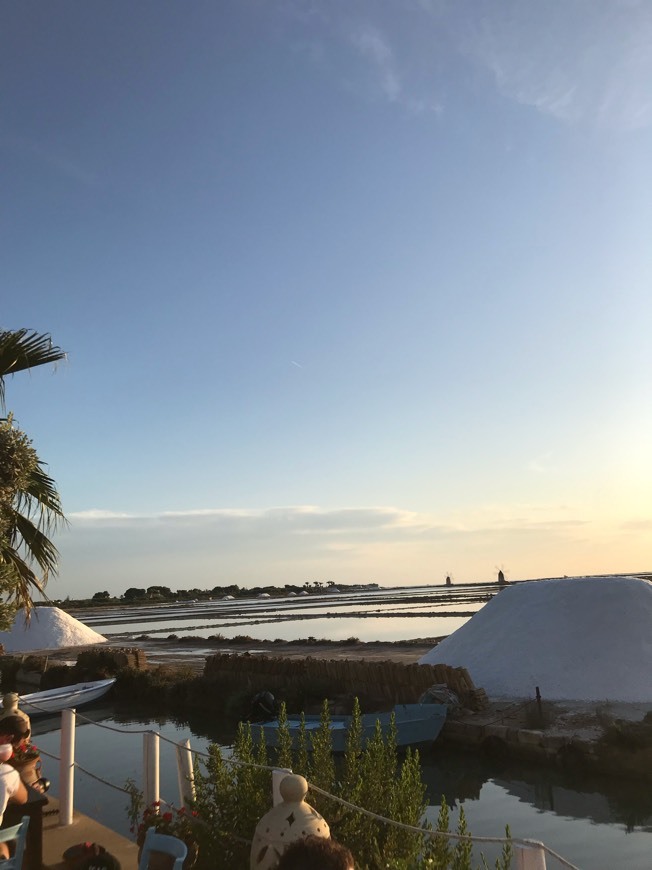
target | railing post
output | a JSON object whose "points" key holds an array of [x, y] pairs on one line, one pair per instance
{"points": [[529, 857], [67, 768], [185, 773], [150, 767]]}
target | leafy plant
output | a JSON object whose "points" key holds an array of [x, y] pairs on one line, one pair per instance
{"points": [[233, 793], [24, 751], [169, 820]]}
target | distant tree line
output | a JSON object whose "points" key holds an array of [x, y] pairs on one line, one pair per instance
{"points": [[142, 594]]}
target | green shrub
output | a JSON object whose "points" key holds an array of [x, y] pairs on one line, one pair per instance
{"points": [[233, 794]]}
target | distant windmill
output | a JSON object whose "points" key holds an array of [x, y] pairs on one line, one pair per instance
{"points": [[502, 571], [449, 579]]}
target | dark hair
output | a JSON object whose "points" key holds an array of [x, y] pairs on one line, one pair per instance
{"points": [[14, 727], [316, 853]]}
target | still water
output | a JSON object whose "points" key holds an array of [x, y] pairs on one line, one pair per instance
{"points": [[383, 614], [594, 823]]}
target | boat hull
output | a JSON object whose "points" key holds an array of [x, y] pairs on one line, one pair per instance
{"points": [[415, 724], [55, 700]]}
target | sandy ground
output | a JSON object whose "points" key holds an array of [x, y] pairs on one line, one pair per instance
{"points": [[193, 655]]}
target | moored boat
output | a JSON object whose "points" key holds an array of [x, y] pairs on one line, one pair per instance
{"points": [[415, 724], [55, 700]]}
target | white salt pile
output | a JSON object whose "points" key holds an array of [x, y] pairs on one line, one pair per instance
{"points": [[579, 638], [49, 628]]}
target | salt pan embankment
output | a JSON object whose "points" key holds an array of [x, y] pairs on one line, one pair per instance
{"points": [[578, 638], [49, 628]]}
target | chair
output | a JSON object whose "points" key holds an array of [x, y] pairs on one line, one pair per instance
{"points": [[164, 843], [17, 833]]}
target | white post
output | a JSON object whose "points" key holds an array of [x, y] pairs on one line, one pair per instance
{"points": [[67, 768], [531, 856], [278, 775], [150, 767], [185, 773]]}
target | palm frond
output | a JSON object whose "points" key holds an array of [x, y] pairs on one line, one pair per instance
{"points": [[37, 546], [22, 349], [22, 581], [40, 493]]}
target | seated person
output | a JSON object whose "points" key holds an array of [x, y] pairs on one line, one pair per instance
{"points": [[12, 788], [10, 709], [316, 853]]}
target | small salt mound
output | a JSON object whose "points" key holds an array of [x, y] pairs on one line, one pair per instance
{"points": [[579, 638], [49, 628]]}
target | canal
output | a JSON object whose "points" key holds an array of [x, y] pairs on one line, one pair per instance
{"points": [[594, 822]]}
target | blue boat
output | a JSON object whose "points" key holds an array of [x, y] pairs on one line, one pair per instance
{"points": [[415, 724]]}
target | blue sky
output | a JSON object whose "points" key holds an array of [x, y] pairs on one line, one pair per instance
{"points": [[351, 291]]}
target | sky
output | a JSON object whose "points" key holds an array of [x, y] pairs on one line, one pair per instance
{"points": [[351, 291]]}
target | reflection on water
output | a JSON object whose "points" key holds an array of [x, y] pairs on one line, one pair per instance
{"points": [[335, 628], [460, 776], [390, 614], [593, 822]]}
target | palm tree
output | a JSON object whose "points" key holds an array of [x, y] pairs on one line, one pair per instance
{"points": [[30, 507]]}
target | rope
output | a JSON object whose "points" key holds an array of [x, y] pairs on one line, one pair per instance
{"points": [[557, 857], [432, 833], [402, 825], [35, 706], [49, 755], [103, 781], [87, 772], [233, 761], [508, 711], [113, 728], [177, 743]]}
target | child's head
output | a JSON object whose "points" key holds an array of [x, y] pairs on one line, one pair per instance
{"points": [[316, 853], [14, 728]]}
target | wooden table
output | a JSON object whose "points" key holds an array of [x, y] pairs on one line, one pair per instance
{"points": [[36, 800]]}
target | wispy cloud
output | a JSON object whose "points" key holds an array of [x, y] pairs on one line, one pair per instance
{"points": [[642, 525], [293, 520], [363, 52], [375, 49], [361, 522], [53, 157], [541, 464], [289, 544], [577, 61], [94, 514]]}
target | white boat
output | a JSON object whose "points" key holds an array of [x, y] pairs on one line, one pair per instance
{"points": [[55, 700]]}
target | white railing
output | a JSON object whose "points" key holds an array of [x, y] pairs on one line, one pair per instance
{"points": [[528, 854]]}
